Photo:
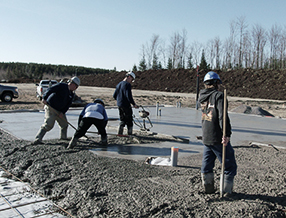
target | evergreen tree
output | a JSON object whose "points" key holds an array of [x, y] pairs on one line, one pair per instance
{"points": [[155, 65], [190, 63], [170, 65], [134, 69], [204, 65], [142, 64]]}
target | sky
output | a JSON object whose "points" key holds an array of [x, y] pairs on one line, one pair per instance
{"points": [[109, 34]]}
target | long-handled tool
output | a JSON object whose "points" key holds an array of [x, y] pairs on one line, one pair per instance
{"points": [[223, 146]]}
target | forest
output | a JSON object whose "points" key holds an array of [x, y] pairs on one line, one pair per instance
{"points": [[247, 46]]}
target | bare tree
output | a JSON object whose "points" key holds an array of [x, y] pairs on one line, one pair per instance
{"points": [[259, 41], [282, 48], [196, 50], [178, 49], [151, 50], [242, 29], [217, 50], [274, 39], [174, 49]]}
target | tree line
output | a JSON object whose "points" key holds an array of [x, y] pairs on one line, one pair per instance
{"points": [[36, 71], [246, 47]]}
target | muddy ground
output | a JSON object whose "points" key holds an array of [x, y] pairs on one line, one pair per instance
{"points": [[87, 185]]}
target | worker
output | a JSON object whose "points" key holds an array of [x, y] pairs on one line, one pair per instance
{"points": [[212, 101], [124, 98], [57, 100], [93, 113]]}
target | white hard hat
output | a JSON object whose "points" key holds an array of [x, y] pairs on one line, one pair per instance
{"points": [[131, 74], [75, 80]]}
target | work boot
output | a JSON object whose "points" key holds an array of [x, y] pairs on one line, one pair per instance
{"points": [[228, 184], [104, 140], [39, 137], [64, 134], [130, 129], [120, 130], [208, 182], [72, 143]]}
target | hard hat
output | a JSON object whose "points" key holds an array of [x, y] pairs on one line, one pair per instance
{"points": [[211, 76], [131, 74], [99, 101], [75, 80]]}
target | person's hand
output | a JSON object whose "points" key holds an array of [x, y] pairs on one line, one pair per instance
{"points": [[225, 140], [136, 106], [44, 102]]}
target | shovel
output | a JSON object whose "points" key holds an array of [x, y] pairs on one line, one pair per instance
{"points": [[223, 146]]}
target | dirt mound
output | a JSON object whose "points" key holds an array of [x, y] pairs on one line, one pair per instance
{"points": [[251, 110], [264, 84]]}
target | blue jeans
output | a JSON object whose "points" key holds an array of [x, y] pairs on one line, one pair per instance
{"points": [[211, 152]]}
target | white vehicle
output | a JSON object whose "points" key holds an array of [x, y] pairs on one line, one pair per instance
{"points": [[43, 86]]}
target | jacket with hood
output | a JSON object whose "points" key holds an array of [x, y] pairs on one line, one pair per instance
{"points": [[211, 101]]}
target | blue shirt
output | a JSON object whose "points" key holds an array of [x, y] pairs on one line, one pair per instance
{"points": [[123, 94], [59, 97]]}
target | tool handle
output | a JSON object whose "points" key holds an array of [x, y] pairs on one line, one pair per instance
{"points": [[223, 146]]}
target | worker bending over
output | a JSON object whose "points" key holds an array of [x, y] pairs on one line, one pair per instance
{"points": [[92, 114]]}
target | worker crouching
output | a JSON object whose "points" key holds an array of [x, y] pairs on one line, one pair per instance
{"points": [[92, 114]]}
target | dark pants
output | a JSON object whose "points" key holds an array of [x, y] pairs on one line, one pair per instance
{"points": [[125, 115], [86, 123], [211, 152]]}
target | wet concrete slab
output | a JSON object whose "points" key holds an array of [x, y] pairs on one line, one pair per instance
{"points": [[179, 122]]}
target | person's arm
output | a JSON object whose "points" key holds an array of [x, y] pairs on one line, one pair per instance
{"points": [[130, 97]]}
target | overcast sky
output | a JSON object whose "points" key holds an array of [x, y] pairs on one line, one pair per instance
{"points": [[110, 33]]}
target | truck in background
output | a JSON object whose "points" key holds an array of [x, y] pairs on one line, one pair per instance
{"points": [[43, 86], [7, 93]]}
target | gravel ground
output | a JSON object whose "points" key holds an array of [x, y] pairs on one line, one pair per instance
{"points": [[87, 185]]}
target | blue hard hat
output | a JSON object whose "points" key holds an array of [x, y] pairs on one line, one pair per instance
{"points": [[212, 76]]}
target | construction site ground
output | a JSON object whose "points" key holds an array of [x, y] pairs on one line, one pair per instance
{"points": [[114, 181]]}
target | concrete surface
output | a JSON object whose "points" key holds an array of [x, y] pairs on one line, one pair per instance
{"points": [[179, 122]]}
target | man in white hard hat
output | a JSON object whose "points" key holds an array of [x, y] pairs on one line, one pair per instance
{"points": [[57, 99], [123, 96]]}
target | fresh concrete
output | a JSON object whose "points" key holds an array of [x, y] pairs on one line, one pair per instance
{"points": [[179, 122]]}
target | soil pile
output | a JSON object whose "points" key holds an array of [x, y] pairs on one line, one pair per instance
{"points": [[264, 84]]}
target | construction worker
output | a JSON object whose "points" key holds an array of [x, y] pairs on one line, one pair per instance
{"points": [[212, 101], [57, 100], [93, 113], [124, 98]]}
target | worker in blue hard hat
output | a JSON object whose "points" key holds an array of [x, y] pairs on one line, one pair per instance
{"points": [[212, 101]]}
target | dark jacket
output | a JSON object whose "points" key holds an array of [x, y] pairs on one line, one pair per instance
{"points": [[123, 94], [59, 97], [211, 101]]}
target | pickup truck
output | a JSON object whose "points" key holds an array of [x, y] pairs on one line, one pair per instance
{"points": [[7, 93], [43, 86]]}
